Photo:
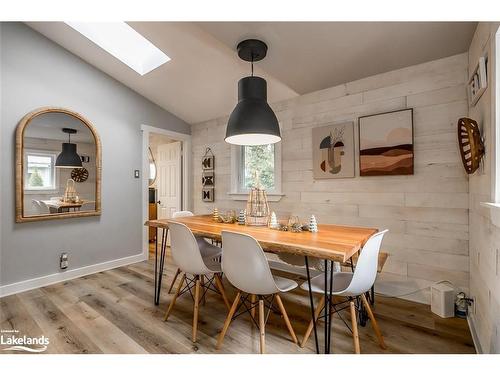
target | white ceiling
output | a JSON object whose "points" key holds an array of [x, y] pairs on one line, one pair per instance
{"points": [[50, 126], [200, 82]]}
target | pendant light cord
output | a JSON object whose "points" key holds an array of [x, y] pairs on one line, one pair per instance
{"points": [[252, 64]]}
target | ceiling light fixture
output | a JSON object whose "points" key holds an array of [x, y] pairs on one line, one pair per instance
{"points": [[124, 43], [68, 158], [252, 121]]}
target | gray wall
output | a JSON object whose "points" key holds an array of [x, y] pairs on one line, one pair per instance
{"points": [[36, 72]]}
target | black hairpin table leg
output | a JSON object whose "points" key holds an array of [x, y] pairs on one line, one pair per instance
{"points": [[159, 263], [311, 301]]}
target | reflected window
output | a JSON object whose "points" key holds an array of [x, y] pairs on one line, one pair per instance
{"points": [[40, 171]]}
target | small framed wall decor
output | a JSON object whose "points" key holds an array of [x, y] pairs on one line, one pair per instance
{"points": [[207, 194], [478, 81], [208, 176]]}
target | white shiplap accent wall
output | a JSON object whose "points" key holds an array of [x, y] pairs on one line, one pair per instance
{"points": [[484, 234], [427, 213]]}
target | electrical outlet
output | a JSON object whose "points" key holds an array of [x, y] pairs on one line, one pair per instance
{"points": [[63, 261], [136, 173]]}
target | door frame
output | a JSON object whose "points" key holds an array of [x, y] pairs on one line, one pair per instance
{"points": [[185, 140]]}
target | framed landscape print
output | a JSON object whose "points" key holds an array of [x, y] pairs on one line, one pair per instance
{"points": [[333, 151], [386, 143]]}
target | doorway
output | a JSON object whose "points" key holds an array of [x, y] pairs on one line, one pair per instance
{"points": [[165, 179]]}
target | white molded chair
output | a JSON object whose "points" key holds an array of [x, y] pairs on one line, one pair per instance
{"points": [[186, 255], [207, 250], [37, 206], [245, 266], [352, 285]]}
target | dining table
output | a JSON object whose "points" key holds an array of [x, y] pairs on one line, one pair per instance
{"points": [[331, 243], [58, 206]]}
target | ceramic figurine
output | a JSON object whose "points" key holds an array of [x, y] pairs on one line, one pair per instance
{"points": [[313, 225], [241, 217], [273, 223]]}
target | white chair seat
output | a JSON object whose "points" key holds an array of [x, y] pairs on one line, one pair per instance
{"points": [[212, 265], [284, 284], [208, 250], [340, 282]]}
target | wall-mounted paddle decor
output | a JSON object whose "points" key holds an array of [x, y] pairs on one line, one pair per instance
{"points": [[208, 176], [386, 143], [470, 144]]}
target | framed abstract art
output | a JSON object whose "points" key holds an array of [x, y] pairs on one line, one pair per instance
{"points": [[333, 151], [386, 143]]}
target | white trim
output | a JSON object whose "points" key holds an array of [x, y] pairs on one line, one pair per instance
{"points": [[22, 286], [494, 68], [186, 176], [475, 337]]}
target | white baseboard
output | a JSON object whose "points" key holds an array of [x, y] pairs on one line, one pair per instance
{"points": [[473, 332], [22, 286]]}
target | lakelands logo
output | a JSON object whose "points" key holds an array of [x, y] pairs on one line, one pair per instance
{"points": [[12, 340]]}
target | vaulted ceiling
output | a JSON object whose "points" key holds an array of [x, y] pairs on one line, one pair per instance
{"points": [[200, 82]]}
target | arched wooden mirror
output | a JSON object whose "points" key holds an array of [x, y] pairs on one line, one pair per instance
{"points": [[58, 166], [152, 168]]}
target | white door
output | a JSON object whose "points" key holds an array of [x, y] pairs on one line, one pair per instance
{"points": [[169, 179]]}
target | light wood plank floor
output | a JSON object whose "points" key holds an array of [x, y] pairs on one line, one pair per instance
{"points": [[113, 312]]}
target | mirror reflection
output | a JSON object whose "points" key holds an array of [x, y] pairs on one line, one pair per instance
{"points": [[59, 165]]}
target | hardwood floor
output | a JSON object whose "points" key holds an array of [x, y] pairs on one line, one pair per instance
{"points": [[113, 312]]}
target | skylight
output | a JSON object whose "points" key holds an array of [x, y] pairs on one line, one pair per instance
{"points": [[124, 43]]}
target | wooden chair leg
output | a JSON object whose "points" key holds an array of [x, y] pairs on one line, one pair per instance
{"points": [[220, 286], [375, 326], [310, 327], [196, 307], [287, 321], [354, 323], [228, 319], [172, 303], [262, 324], [173, 281], [253, 299], [203, 290]]}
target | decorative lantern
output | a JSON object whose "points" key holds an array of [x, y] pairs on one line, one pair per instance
{"points": [[257, 212]]}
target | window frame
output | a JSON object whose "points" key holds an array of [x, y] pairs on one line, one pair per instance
{"points": [[237, 175], [55, 173]]}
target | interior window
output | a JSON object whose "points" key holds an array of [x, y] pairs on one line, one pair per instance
{"points": [[40, 171], [257, 163]]}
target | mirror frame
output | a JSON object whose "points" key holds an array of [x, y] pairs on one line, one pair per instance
{"points": [[20, 218]]}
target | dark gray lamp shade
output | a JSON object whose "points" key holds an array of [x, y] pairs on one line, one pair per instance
{"points": [[252, 121], [68, 158]]}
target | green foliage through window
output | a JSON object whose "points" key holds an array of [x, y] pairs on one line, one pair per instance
{"points": [[258, 163], [36, 179]]}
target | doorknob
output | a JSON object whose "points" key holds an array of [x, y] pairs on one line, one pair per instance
{"points": [[159, 202]]}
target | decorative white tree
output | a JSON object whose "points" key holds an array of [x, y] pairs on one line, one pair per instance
{"points": [[241, 217], [273, 223], [216, 214], [313, 225]]}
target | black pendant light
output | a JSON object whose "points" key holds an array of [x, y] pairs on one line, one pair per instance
{"points": [[68, 158], [252, 121]]}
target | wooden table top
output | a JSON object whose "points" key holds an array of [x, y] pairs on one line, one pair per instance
{"points": [[60, 204], [333, 242]]}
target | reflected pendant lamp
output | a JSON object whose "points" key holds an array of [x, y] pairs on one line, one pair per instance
{"points": [[68, 158], [252, 121]]}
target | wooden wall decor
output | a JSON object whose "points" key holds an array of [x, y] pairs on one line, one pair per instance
{"points": [[208, 176], [470, 143]]}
